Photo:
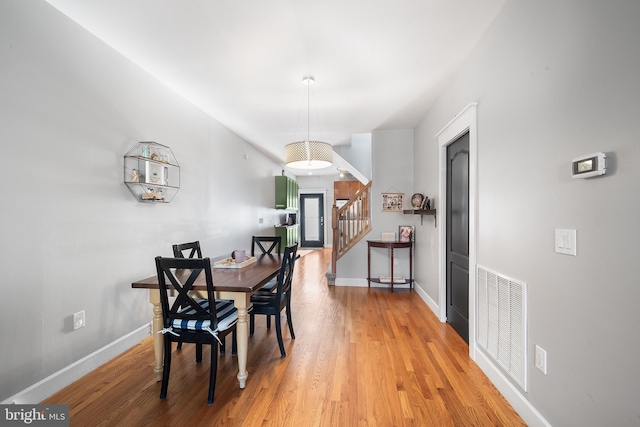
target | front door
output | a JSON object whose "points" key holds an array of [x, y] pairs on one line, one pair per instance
{"points": [[458, 235], [312, 220]]}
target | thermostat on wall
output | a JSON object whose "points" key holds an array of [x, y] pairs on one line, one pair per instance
{"points": [[589, 165]]}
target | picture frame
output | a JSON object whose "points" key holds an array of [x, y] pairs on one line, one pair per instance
{"points": [[392, 202], [406, 233]]}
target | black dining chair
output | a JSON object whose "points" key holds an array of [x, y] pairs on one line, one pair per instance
{"points": [[271, 243], [191, 319], [194, 248], [179, 251], [272, 302]]}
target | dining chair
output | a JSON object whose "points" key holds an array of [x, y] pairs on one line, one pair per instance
{"points": [[179, 251], [188, 318], [272, 302], [262, 241]]}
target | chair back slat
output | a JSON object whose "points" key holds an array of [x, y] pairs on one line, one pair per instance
{"points": [[266, 244], [285, 275], [194, 248]]}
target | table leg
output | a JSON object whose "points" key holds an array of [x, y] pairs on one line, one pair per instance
{"points": [[156, 326], [242, 332], [241, 300], [368, 265], [391, 249]]}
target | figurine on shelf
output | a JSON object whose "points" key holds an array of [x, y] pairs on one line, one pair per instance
{"points": [[135, 176]]}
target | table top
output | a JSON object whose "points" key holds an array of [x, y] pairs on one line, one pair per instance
{"points": [[389, 244], [247, 279]]}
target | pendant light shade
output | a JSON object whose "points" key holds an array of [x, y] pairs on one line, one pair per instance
{"points": [[308, 154]]}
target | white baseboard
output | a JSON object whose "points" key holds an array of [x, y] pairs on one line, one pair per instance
{"points": [[511, 393], [362, 283], [427, 299], [58, 380]]}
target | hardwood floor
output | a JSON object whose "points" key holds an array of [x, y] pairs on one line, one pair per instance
{"points": [[361, 357]]}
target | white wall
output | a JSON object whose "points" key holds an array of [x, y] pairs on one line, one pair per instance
{"points": [[555, 80], [392, 152], [73, 236]]}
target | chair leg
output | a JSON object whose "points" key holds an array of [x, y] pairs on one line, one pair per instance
{"points": [[198, 353], [179, 345], [268, 322], [212, 374], [166, 369], [223, 346], [293, 335], [279, 335], [234, 344], [252, 319]]}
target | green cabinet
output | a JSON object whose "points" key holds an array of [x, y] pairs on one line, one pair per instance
{"points": [[288, 234], [286, 193]]}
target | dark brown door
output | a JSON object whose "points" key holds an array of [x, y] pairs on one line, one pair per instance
{"points": [[458, 235]]}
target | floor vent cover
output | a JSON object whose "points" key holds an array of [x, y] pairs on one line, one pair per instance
{"points": [[502, 322]]}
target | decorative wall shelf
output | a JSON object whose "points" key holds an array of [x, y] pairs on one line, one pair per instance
{"points": [[151, 172], [423, 212]]}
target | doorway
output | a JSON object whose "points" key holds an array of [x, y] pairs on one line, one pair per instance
{"points": [[464, 122], [312, 220], [457, 223]]}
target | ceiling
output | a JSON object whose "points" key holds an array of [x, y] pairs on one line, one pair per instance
{"points": [[377, 64]]}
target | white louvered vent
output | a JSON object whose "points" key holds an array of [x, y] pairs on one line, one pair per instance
{"points": [[502, 322]]}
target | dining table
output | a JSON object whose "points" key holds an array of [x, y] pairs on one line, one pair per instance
{"points": [[237, 284]]}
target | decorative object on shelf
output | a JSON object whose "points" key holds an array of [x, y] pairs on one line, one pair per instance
{"points": [[388, 236], [308, 154], [406, 233], [151, 172], [416, 200], [392, 202], [426, 204]]}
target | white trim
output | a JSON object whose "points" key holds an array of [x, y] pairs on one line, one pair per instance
{"points": [[433, 305], [65, 376], [465, 121], [511, 393]]}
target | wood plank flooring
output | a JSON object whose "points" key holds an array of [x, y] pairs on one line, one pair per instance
{"points": [[361, 357]]}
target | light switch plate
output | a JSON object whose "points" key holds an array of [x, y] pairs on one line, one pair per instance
{"points": [[566, 242]]}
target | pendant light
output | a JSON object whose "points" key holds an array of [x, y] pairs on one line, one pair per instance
{"points": [[308, 154]]}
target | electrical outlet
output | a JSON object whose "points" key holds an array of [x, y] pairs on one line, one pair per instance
{"points": [[78, 320], [541, 359]]}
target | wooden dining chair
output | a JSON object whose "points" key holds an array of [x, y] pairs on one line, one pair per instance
{"points": [[191, 319], [272, 302]]}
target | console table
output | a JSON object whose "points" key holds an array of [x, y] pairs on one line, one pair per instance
{"points": [[391, 246]]}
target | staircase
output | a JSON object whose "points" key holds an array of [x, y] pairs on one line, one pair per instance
{"points": [[350, 224]]}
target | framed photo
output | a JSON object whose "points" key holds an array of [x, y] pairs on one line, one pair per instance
{"points": [[406, 233], [392, 202]]}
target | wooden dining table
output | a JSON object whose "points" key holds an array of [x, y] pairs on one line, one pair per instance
{"points": [[237, 284]]}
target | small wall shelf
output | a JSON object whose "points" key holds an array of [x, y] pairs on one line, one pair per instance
{"points": [[151, 172], [423, 212]]}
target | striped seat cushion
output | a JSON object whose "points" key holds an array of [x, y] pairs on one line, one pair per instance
{"points": [[226, 311]]}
